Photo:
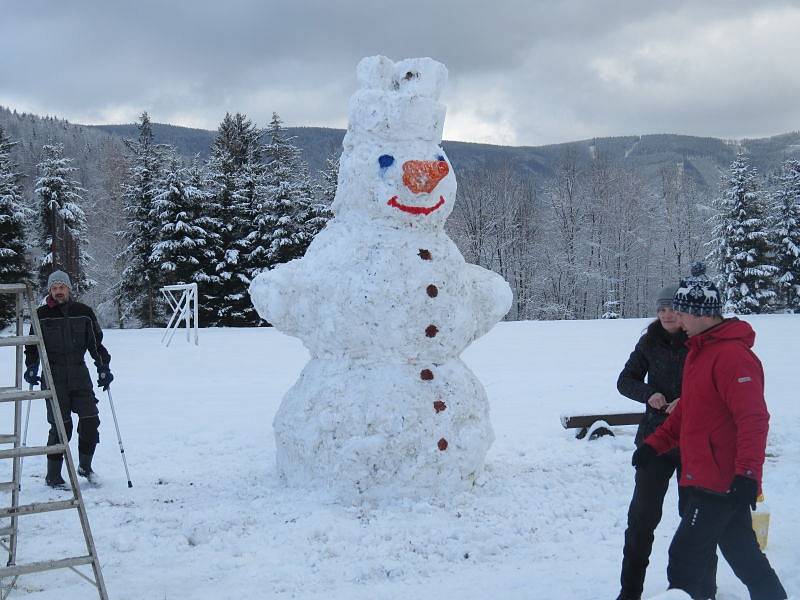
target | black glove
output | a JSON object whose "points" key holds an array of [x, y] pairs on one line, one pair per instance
{"points": [[32, 375], [104, 377], [643, 455], [743, 491]]}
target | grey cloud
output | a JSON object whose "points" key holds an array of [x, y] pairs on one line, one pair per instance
{"points": [[521, 71]]}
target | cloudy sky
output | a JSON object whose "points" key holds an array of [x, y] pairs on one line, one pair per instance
{"points": [[525, 72]]}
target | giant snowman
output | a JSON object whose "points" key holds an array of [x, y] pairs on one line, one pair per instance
{"points": [[385, 303]]}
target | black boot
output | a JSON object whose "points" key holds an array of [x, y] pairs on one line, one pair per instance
{"points": [[53, 478], [85, 466]]}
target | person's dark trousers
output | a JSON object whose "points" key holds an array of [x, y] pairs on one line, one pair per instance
{"points": [[84, 403], [710, 520], [644, 515]]}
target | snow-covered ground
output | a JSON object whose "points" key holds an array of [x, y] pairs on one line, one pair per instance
{"points": [[208, 519]]}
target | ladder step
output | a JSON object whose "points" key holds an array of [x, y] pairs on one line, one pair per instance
{"points": [[7, 438], [6, 530], [25, 395], [7, 486], [33, 451], [12, 288], [46, 565], [37, 508], [19, 340]]}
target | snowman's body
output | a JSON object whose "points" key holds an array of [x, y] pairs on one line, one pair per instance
{"points": [[385, 303]]}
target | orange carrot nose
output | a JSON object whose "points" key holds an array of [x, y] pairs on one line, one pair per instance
{"points": [[421, 176]]}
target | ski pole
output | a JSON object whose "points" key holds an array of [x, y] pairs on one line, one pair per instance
{"points": [[27, 420], [25, 434], [119, 438]]}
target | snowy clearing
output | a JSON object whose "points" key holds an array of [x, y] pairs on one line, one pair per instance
{"points": [[207, 517]]}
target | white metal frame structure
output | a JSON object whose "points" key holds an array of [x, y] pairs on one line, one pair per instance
{"points": [[184, 309]]}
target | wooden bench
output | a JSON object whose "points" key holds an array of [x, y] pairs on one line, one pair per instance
{"points": [[596, 426]]}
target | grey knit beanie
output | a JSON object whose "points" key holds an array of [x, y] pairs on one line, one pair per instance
{"points": [[665, 296], [58, 277]]}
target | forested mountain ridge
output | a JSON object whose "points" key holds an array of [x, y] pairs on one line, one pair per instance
{"points": [[707, 155], [89, 145], [581, 229]]}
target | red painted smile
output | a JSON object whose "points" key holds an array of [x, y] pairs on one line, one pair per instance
{"points": [[416, 210]]}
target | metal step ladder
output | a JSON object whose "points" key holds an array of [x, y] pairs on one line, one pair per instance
{"points": [[10, 573]]}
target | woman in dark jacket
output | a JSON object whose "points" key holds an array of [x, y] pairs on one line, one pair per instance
{"points": [[652, 376]]}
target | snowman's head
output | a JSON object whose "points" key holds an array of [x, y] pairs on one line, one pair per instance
{"points": [[393, 167]]}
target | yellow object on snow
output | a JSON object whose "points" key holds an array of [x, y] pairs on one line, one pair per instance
{"points": [[761, 522]]}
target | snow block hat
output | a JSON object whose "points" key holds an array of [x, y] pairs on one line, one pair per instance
{"points": [[58, 277], [697, 294], [398, 101]]}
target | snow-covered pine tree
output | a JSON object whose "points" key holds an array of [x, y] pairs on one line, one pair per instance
{"points": [[141, 277], [289, 216], [785, 234], [741, 242], [13, 262], [61, 222], [182, 250], [249, 193], [234, 169], [207, 218], [329, 180]]}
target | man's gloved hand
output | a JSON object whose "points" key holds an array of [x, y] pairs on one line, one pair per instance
{"points": [[104, 377], [32, 375], [743, 491], [643, 455]]}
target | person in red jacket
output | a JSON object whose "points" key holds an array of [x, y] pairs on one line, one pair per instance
{"points": [[721, 425]]}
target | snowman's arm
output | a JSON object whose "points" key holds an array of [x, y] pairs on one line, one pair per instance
{"points": [[491, 296], [281, 296]]}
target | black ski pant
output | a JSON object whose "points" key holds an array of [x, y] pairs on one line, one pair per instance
{"points": [[644, 515], [84, 404], [710, 520]]}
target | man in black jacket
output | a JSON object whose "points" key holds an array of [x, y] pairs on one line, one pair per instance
{"points": [[69, 329]]}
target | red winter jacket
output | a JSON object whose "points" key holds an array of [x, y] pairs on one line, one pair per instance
{"points": [[721, 421]]}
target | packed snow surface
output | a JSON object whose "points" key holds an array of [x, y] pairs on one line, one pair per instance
{"points": [[209, 519]]}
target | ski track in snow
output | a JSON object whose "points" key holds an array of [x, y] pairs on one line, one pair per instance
{"points": [[633, 146], [209, 519]]}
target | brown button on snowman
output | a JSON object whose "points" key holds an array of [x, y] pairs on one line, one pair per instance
{"points": [[385, 303]]}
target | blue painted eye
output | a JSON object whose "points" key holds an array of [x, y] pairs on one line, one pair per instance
{"points": [[440, 157], [385, 160]]}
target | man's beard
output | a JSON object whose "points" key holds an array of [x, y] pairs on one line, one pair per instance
{"points": [[61, 298]]}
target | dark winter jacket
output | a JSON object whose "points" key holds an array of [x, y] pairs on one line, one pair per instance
{"points": [[69, 330], [659, 356], [721, 421]]}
